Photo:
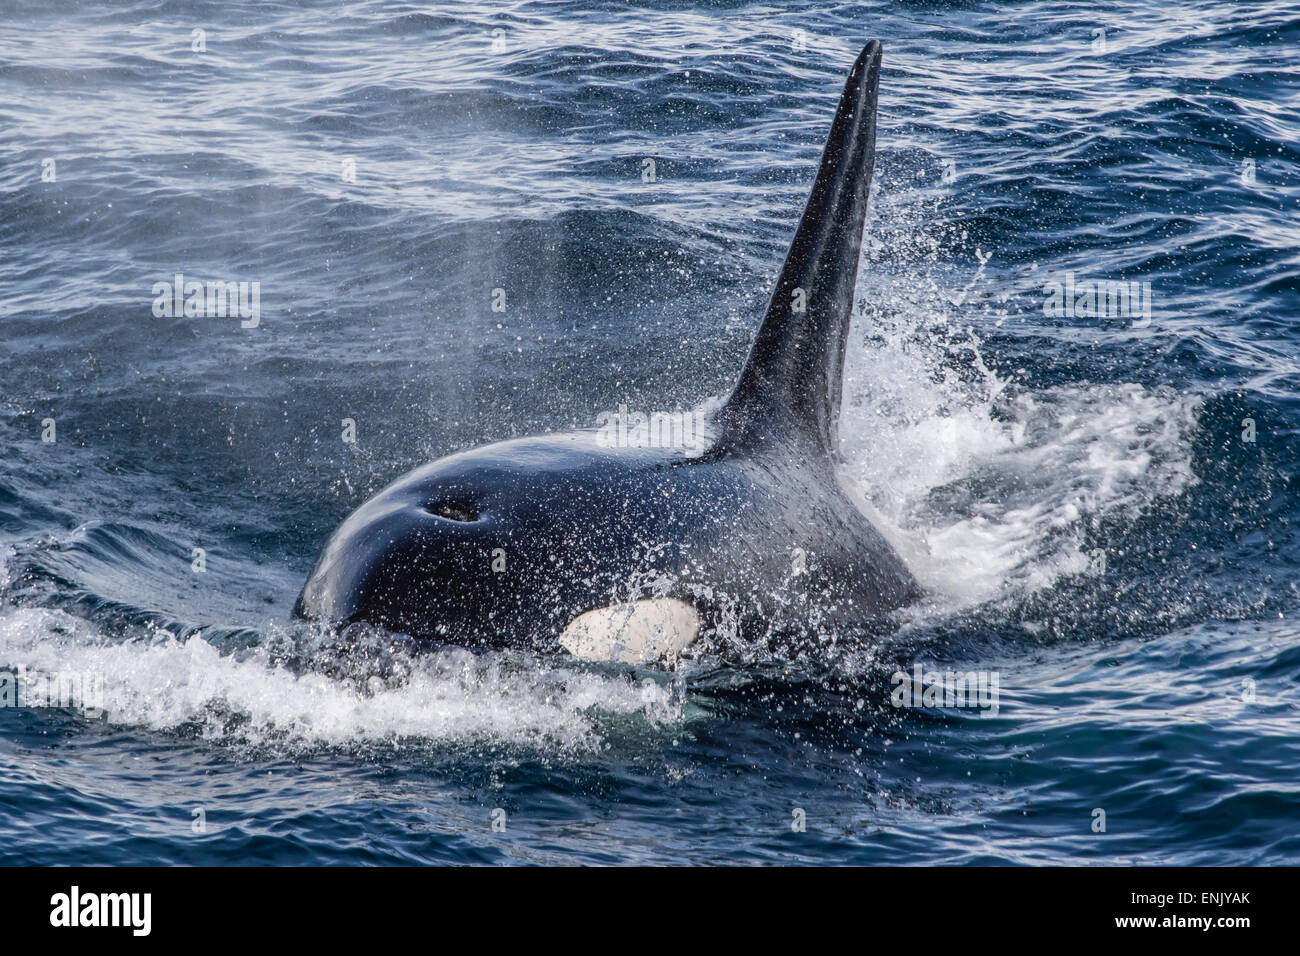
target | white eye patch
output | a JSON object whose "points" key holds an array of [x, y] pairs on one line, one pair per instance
{"points": [[641, 632]]}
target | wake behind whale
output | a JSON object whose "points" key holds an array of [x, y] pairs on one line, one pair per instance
{"points": [[633, 554]]}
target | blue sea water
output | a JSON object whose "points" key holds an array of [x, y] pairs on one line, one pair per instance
{"points": [[1102, 510]]}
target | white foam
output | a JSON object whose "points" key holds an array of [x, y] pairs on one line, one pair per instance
{"points": [[161, 683], [989, 489]]}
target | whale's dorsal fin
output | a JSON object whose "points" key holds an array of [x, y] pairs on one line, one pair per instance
{"points": [[791, 383]]}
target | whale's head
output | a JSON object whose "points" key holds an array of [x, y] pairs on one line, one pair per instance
{"points": [[556, 540], [531, 542]]}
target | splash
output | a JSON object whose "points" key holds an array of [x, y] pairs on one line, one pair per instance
{"points": [[264, 696], [988, 488]]}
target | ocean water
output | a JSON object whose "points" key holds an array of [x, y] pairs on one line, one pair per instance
{"points": [[1101, 507]]}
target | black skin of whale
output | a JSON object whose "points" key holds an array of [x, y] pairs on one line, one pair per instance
{"points": [[757, 532]]}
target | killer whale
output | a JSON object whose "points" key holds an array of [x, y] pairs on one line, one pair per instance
{"points": [[559, 543]]}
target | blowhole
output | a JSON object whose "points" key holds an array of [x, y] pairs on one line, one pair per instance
{"points": [[453, 510]]}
